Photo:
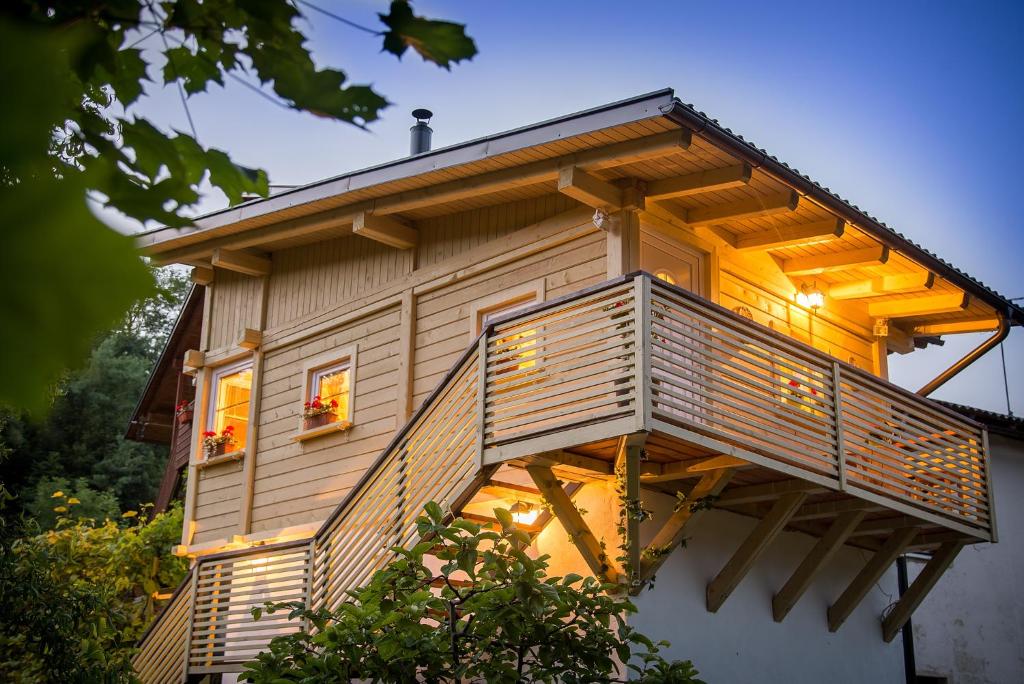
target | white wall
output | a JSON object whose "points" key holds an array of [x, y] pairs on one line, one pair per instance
{"points": [[970, 628], [742, 643]]}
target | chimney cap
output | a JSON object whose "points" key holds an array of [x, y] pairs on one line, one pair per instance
{"points": [[422, 115]]}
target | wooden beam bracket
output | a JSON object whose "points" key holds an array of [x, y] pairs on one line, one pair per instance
{"points": [[759, 539], [385, 229], [866, 578], [590, 190], [246, 263], [924, 582], [567, 513]]}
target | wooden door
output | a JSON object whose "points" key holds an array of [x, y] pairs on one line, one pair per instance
{"points": [[679, 351]]}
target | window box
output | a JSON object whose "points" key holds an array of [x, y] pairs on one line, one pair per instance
{"points": [[319, 420], [230, 457], [326, 429], [185, 417]]}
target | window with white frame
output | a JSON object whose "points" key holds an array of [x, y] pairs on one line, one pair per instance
{"points": [[228, 405], [516, 349], [328, 389]]}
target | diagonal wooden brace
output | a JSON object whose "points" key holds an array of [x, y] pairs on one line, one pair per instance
{"points": [[869, 574], [720, 588], [909, 602], [673, 531], [573, 522]]}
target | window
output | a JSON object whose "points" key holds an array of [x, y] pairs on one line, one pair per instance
{"points": [[331, 384], [229, 403], [331, 377], [501, 304]]}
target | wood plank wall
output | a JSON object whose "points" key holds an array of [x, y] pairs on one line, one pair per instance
{"points": [[301, 482], [236, 306], [315, 277]]}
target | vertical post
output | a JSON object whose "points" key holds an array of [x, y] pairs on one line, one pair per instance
{"points": [[987, 462], [642, 350], [481, 393], [837, 407], [308, 591], [249, 460], [191, 620]]}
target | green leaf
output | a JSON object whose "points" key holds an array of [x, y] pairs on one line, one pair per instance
{"points": [[440, 42], [434, 511]]}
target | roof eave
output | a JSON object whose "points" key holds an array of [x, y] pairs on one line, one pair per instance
{"points": [[701, 124]]}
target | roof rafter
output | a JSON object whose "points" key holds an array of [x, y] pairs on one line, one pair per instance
{"points": [[919, 306], [708, 180], [903, 283], [836, 261]]}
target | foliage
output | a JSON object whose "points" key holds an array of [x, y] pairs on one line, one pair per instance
{"points": [[74, 600], [493, 616], [46, 509], [81, 438], [79, 137]]}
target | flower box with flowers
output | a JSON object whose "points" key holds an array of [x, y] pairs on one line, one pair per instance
{"points": [[217, 445], [317, 413], [183, 412]]}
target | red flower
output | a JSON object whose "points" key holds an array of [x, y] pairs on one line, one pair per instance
{"points": [[209, 434], [794, 383], [334, 403]]}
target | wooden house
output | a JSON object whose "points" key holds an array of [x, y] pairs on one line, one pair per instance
{"points": [[605, 310]]}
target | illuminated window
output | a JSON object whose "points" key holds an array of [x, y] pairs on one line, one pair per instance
{"points": [[665, 276], [229, 403], [328, 390], [331, 385], [520, 352]]}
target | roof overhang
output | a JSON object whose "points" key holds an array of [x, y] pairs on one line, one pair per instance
{"points": [[408, 184]]}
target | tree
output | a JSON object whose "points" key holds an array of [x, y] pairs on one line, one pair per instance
{"points": [[71, 135], [74, 600], [488, 615], [79, 444]]}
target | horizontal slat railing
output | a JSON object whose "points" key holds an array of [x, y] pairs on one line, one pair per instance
{"points": [[226, 589], [568, 364], [786, 405], [161, 657], [433, 460]]}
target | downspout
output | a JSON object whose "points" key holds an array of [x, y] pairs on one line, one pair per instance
{"points": [[942, 378], [909, 659]]}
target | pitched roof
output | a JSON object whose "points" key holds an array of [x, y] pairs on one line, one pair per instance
{"points": [[467, 158]]}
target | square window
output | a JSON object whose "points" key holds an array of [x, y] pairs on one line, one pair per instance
{"points": [[228, 404], [331, 385], [327, 392]]}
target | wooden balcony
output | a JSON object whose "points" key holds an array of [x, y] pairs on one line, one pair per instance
{"points": [[640, 356], [674, 393]]}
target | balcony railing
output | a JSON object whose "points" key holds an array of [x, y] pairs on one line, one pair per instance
{"points": [[628, 355], [639, 352]]}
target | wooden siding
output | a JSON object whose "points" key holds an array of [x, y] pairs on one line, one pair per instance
{"points": [[315, 277], [301, 482], [218, 493], [443, 324], [445, 237], [235, 306]]}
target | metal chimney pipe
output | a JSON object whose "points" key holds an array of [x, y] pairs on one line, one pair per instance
{"points": [[419, 134]]}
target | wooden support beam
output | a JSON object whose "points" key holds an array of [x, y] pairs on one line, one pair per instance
{"points": [[250, 339], [193, 360], [923, 584], [686, 514], [866, 578], [248, 263], [820, 554], [511, 489], [835, 261], [565, 458], [627, 465], [720, 588], [919, 306], [965, 325], [201, 275], [767, 492], [829, 509], [386, 230], [567, 514], [652, 472], [699, 182], [903, 283], [765, 205], [791, 236], [590, 190], [876, 525]]}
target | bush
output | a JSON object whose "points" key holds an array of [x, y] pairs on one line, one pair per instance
{"points": [[74, 599], [489, 614]]}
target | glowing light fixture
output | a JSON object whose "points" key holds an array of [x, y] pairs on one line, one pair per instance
{"points": [[524, 513], [810, 297]]}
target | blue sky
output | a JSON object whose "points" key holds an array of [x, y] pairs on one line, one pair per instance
{"points": [[910, 110]]}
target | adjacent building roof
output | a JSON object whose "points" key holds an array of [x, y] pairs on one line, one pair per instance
{"points": [[1000, 423], [401, 180]]}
